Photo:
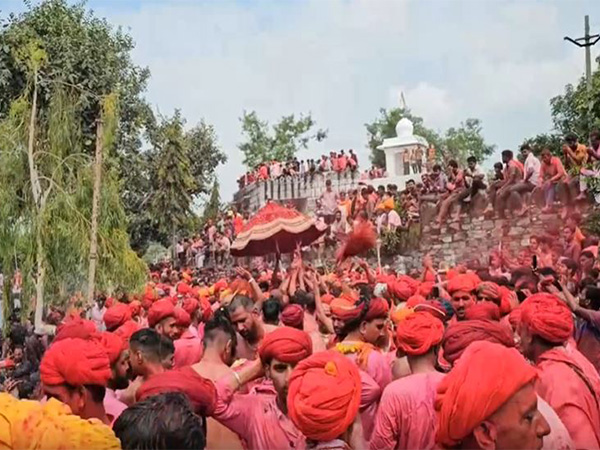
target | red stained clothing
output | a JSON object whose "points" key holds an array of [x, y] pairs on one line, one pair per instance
{"points": [[571, 385], [257, 420], [555, 167], [188, 350], [406, 418]]}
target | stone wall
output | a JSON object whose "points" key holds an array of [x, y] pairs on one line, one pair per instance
{"points": [[475, 238]]}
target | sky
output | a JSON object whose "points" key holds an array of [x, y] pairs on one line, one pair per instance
{"points": [[342, 60]]}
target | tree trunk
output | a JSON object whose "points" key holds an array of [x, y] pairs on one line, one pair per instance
{"points": [[40, 278], [174, 246], [95, 205]]}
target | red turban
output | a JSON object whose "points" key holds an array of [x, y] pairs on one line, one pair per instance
{"points": [[464, 282], [378, 309], [184, 288], [113, 344], [109, 302], [433, 307], [75, 362], [127, 329], [324, 395], [506, 304], [515, 318], [546, 316], [207, 311], [220, 285], [418, 332], [182, 318], [116, 315], [293, 316], [490, 290], [285, 344], [160, 310], [483, 310], [459, 335], [425, 288], [135, 307], [190, 305], [146, 303], [414, 300], [346, 310], [76, 328], [401, 290], [200, 391], [473, 390]]}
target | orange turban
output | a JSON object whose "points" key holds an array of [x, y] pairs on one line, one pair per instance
{"points": [[483, 310], [113, 344], [220, 285], [327, 299], [346, 310], [324, 395], [200, 391], [399, 314], [207, 311], [116, 315], [401, 290], [146, 303], [293, 316], [515, 318], [491, 290], [184, 288], [286, 344], [506, 297], [418, 332], [160, 310], [190, 305], [76, 328], [26, 424], [546, 316], [182, 318], [75, 362], [464, 282], [415, 300], [473, 391], [126, 330], [135, 307], [459, 335], [425, 288]]}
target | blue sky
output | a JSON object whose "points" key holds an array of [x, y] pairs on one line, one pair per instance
{"points": [[500, 61]]}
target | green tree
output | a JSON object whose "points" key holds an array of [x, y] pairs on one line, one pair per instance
{"points": [[174, 182], [213, 206], [569, 113], [87, 53], [457, 143], [205, 156], [281, 143]]}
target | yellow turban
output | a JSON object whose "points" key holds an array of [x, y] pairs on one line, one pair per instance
{"points": [[30, 425]]}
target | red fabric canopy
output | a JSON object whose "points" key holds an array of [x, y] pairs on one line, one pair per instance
{"points": [[275, 229]]}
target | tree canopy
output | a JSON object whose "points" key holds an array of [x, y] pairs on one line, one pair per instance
{"points": [[279, 143], [457, 142]]}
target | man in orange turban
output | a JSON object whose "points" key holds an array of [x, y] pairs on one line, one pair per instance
{"points": [[477, 409], [360, 326], [116, 350], [462, 289], [460, 335], [116, 315], [261, 420], [324, 397], [76, 372], [567, 380], [161, 317], [406, 415]]}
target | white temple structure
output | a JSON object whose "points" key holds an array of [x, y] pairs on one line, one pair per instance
{"points": [[398, 170]]}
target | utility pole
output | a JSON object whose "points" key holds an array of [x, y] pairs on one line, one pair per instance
{"points": [[587, 42]]}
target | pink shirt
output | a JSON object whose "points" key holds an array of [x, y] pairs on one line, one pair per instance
{"points": [[406, 418], [257, 420], [571, 386], [112, 406], [188, 349]]}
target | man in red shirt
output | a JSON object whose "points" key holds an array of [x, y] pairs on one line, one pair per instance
{"points": [[552, 173]]}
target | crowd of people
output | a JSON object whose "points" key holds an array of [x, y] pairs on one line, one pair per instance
{"points": [[503, 354], [340, 162], [501, 351]]}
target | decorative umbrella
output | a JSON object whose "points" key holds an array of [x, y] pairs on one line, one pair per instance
{"points": [[276, 229]]}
